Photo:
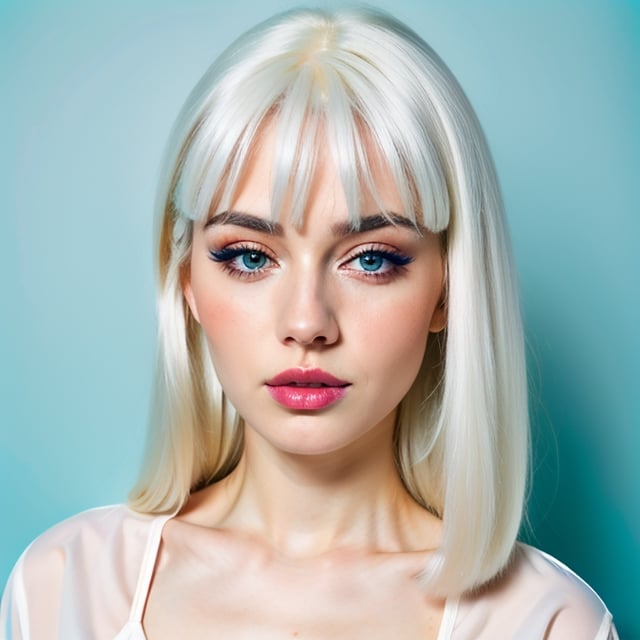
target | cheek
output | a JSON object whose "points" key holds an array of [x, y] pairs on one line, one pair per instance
{"points": [[223, 310], [223, 318], [408, 341], [230, 345], [229, 326], [394, 339]]}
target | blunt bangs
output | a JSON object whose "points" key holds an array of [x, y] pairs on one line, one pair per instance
{"points": [[368, 104]]}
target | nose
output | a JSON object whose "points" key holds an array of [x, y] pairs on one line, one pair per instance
{"points": [[306, 314]]}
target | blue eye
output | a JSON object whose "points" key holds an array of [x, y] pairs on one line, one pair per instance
{"points": [[253, 260], [371, 261], [241, 260], [379, 262]]}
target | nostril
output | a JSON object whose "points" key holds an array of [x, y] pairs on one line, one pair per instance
{"points": [[320, 339]]}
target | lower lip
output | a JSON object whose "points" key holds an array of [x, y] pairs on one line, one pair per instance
{"points": [[306, 398]]}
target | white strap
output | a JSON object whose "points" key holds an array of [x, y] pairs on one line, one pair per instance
{"points": [[146, 570], [448, 619]]}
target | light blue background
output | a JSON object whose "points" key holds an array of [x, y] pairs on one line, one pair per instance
{"points": [[89, 91]]}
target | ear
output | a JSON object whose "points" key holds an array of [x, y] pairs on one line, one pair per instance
{"points": [[187, 292], [439, 317]]}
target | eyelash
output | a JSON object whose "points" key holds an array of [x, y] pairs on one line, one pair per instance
{"points": [[227, 256]]}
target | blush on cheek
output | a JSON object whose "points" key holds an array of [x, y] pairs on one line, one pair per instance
{"points": [[221, 314], [415, 334], [236, 333]]}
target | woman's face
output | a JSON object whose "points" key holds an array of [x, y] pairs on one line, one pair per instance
{"points": [[316, 332]]}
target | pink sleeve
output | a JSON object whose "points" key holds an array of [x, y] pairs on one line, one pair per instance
{"points": [[77, 579], [14, 622], [37, 573], [537, 597], [575, 623]]}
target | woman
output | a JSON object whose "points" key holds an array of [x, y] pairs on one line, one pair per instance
{"points": [[339, 439]]}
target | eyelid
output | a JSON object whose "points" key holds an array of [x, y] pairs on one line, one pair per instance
{"points": [[238, 247]]}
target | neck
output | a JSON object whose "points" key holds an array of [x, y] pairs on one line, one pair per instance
{"points": [[306, 505]]}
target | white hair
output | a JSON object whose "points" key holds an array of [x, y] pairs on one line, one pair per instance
{"points": [[342, 79]]}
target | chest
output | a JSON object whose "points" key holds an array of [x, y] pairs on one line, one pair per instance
{"points": [[268, 601]]}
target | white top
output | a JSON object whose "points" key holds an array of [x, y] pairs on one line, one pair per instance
{"points": [[88, 577]]}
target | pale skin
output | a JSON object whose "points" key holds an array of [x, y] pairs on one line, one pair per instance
{"points": [[313, 535]]}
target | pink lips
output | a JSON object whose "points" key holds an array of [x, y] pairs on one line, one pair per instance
{"points": [[306, 389]]}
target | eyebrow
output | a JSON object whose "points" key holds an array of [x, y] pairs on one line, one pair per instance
{"points": [[341, 229], [372, 222], [247, 221]]}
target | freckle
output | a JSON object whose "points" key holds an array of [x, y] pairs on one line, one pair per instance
{"points": [[295, 634]]}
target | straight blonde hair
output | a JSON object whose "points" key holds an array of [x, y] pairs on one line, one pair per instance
{"points": [[461, 438]]}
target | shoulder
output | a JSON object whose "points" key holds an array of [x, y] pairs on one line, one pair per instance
{"points": [[537, 596], [561, 592], [91, 557], [93, 534]]}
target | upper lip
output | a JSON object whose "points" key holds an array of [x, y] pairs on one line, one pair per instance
{"points": [[306, 377]]}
